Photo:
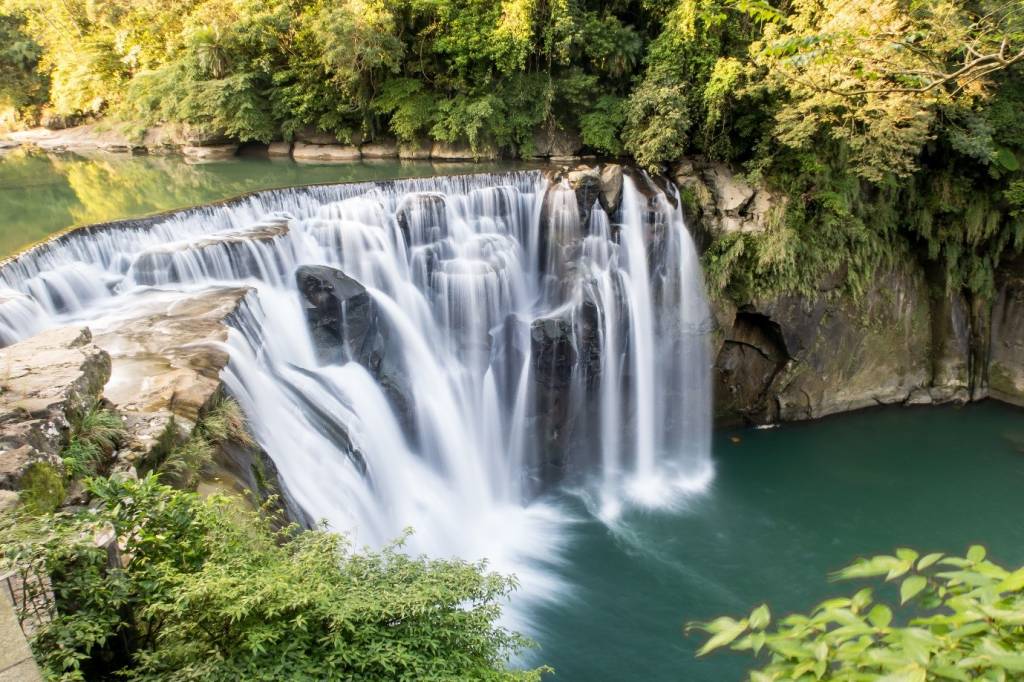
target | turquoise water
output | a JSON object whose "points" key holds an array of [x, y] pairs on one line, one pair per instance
{"points": [[43, 193], [787, 506]]}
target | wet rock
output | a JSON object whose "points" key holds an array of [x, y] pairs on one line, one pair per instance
{"points": [[423, 218], [44, 381], [346, 326], [229, 254], [340, 315]]}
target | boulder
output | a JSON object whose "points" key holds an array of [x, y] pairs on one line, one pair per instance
{"points": [[220, 152], [345, 326], [557, 143], [610, 186], [414, 150], [305, 152], [83, 137], [721, 202], [279, 149], [448, 151], [44, 381], [380, 149]]}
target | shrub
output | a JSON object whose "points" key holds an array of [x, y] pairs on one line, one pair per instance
{"points": [[209, 592], [959, 618]]}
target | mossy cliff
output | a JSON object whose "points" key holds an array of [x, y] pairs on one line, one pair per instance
{"points": [[825, 333]]}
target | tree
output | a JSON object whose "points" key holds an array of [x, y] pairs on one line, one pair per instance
{"points": [[962, 618], [875, 75]]}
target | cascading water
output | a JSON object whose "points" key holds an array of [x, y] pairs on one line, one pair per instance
{"points": [[497, 341]]}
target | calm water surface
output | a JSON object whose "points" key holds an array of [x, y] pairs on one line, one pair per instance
{"points": [[788, 506], [43, 193]]}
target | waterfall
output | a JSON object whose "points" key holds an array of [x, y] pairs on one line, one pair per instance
{"points": [[493, 342]]}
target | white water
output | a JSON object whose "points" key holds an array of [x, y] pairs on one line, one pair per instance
{"points": [[457, 269]]}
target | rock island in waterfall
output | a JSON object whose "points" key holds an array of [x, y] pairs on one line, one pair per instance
{"points": [[511, 340]]}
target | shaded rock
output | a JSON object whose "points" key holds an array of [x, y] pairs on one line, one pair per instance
{"points": [[44, 381], [220, 152], [793, 358], [552, 142], [303, 151], [1006, 359], [554, 354]]}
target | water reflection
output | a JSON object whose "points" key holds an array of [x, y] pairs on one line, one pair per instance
{"points": [[43, 193]]}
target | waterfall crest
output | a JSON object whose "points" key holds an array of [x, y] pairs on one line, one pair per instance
{"points": [[434, 353]]}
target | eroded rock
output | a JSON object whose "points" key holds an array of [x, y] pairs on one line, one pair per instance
{"points": [[44, 381]]}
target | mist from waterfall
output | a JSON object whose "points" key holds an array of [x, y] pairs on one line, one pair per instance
{"points": [[537, 346]]}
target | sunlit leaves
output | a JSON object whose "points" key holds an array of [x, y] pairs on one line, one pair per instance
{"points": [[964, 620]]}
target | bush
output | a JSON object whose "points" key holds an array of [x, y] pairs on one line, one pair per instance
{"points": [[209, 592], [959, 618], [42, 488]]}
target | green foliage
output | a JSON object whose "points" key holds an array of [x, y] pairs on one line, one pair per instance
{"points": [[959, 618], [41, 489], [208, 592], [21, 84], [95, 434]]}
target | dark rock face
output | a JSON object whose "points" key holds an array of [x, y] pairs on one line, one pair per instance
{"points": [[340, 315], [1006, 366], [554, 357], [345, 326]]}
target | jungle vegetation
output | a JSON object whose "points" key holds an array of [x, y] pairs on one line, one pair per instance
{"points": [[891, 125]]}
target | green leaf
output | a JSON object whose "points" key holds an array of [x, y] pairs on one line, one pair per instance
{"points": [[928, 560], [1007, 159], [760, 617], [724, 637], [976, 553], [880, 616], [911, 587]]}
